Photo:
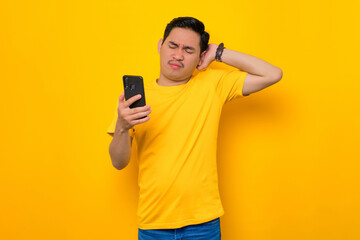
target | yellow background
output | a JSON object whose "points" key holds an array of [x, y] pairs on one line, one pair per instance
{"points": [[288, 155]]}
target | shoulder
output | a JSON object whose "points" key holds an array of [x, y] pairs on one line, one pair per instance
{"points": [[208, 74], [216, 73]]}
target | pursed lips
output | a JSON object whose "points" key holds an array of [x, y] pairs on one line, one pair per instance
{"points": [[176, 64]]}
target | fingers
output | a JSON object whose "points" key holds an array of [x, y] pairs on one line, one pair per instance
{"points": [[203, 64], [140, 112], [142, 120], [132, 116], [139, 109], [131, 100], [200, 67], [137, 118]]}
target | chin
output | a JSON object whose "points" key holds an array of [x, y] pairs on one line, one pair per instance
{"points": [[178, 78], [175, 77]]}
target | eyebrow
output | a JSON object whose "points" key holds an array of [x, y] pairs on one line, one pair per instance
{"points": [[185, 47]]}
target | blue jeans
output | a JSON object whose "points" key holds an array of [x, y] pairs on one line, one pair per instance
{"points": [[203, 231]]}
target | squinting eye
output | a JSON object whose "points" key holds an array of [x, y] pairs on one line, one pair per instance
{"points": [[171, 46]]}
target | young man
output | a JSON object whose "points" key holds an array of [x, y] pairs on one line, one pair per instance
{"points": [[177, 141]]}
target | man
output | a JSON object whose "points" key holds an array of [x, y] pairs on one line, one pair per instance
{"points": [[179, 196]]}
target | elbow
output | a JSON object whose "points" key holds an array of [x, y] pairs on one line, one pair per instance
{"points": [[276, 75], [119, 165], [119, 162]]}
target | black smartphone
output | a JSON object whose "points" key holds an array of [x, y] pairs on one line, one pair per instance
{"points": [[134, 85]]}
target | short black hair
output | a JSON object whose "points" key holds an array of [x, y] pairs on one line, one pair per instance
{"points": [[189, 23]]}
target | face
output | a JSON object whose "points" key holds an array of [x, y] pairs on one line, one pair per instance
{"points": [[179, 54]]}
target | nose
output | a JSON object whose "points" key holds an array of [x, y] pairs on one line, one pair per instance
{"points": [[178, 54]]}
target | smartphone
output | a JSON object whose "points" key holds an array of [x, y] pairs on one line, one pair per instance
{"points": [[134, 85]]}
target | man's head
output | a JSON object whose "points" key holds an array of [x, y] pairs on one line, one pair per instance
{"points": [[192, 24], [182, 48]]}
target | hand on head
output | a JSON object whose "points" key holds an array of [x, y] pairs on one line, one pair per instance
{"points": [[207, 57]]}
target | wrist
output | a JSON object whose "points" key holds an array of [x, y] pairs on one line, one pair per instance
{"points": [[213, 54], [219, 52], [120, 129], [211, 51]]}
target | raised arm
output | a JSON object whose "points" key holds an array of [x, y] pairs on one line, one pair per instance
{"points": [[261, 74]]}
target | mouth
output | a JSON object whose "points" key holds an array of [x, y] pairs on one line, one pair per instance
{"points": [[175, 64]]}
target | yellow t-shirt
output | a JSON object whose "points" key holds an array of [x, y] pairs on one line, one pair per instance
{"points": [[177, 147]]}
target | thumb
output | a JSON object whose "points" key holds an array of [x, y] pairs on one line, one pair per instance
{"points": [[122, 97]]}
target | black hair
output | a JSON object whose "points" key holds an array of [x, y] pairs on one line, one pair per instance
{"points": [[189, 23]]}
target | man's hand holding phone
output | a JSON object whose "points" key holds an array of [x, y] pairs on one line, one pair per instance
{"points": [[129, 117]]}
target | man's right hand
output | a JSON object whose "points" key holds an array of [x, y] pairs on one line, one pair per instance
{"points": [[129, 117]]}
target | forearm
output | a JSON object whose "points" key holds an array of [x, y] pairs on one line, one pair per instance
{"points": [[120, 148], [248, 63]]}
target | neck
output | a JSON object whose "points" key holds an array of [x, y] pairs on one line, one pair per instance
{"points": [[164, 81]]}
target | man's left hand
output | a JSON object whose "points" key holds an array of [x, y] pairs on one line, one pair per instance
{"points": [[207, 57]]}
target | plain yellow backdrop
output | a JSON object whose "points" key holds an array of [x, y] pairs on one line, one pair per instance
{"points": [[288, 155]]}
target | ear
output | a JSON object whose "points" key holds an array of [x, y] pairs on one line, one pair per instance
{"points": [[202, 57], [159, 44]]}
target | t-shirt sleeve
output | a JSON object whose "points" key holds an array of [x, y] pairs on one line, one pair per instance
{"points": [[229, 84], [111, 128]]}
